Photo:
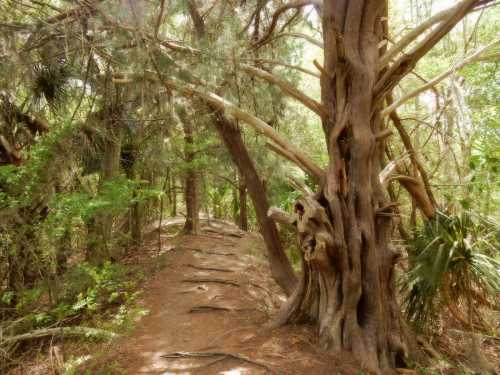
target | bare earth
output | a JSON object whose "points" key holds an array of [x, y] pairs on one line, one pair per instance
{"points": [[214, 296]]}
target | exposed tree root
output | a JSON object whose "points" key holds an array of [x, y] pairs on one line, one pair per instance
{"points": [[202, 309], [223, 355], [209, 308], [207, 251], [227, 233], [218, 281], [201, 268]]}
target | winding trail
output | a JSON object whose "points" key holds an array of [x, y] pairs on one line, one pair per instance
{"points": [[207, 308]]}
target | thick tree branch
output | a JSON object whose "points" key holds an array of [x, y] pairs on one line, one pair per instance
{"points": [[199, 24], [412, 35], [281, 217], [471, 59], [159, 18], [8, 154], [231, 109], [407, 62]]}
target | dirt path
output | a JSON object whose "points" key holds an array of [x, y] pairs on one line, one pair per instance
{"points": [[215, 296]]}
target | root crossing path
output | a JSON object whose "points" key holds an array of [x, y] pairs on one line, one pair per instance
{"points": [[207, 309]]}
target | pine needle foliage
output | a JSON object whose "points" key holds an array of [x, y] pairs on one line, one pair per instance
{"points": [[452, 265]]}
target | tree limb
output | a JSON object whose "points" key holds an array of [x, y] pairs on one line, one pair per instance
{"points": [[279, 12], [281, 216], [312, 104], [296, 67], [231, 109], [306, 37], [471, 59], [405, 138], [407, 62]]}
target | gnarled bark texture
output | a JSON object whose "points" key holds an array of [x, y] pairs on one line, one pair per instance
{"points": [[347, 287], [280, 266]]}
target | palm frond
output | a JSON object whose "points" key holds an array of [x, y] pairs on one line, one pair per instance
{"points": [[450, 263], [50, 83]]}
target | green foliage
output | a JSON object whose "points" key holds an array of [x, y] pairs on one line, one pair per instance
{"points": [[50, 82], [88, 293], [451, 264]]}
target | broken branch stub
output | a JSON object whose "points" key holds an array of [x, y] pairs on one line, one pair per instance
{"points": [[314, 231]]}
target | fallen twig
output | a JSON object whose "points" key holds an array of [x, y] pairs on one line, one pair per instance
{"points": [[61, 331], [224, 355]]}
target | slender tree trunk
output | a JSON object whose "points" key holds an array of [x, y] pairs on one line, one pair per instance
{"points": [[191, 188], [243, 218], [135, 221], [129, 158], [173, 195], [347, 287], [280, 266]]}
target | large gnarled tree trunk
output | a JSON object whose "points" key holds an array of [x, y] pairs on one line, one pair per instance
{"points": [[344, 230]]}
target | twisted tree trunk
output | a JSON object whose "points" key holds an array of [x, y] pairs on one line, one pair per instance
{"points": [[347, 287]]}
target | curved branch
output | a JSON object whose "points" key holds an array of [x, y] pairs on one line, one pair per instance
{"points": [[471, 59], [407, 62], [279, 12], [296, 67], [231, 109], [312, 104], [405, 138], [409, 37], [306, 37]]}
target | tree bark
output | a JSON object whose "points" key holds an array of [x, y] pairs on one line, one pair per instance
{"points": [[128, 161], [243, 218], [347, 287], [280, 266], [191, 188]]}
